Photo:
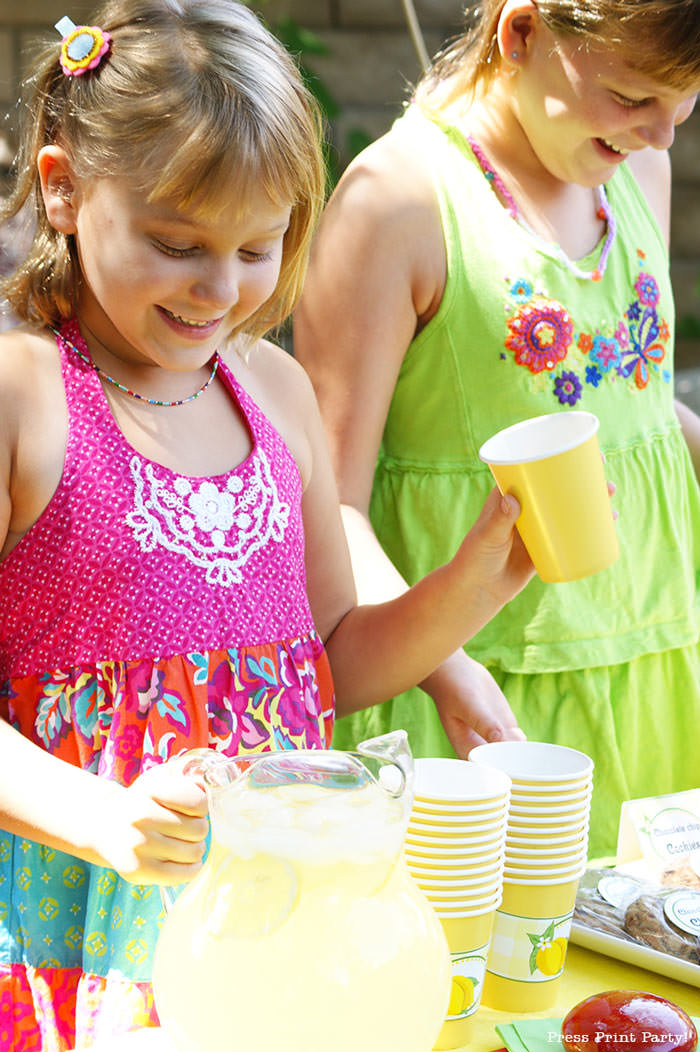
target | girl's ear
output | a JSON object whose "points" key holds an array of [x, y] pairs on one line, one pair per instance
{"points": [[57, 188], [516, 23]]}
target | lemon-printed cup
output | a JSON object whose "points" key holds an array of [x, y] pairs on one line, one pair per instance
{"points": [[468, 938], [552, 465], [528, 944]]}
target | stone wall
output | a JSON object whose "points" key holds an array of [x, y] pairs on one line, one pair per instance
{"points": [[369, 67]]}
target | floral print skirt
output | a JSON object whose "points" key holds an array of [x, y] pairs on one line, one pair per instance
{"points": [[77, 941]]}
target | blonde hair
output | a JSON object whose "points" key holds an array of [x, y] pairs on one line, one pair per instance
{"points": [[196, 101], [659, 38]]}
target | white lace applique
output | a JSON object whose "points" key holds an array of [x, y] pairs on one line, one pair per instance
{"points": [[215, 528]]}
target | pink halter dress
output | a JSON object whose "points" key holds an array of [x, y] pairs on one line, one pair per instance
{"points": [[145, 613]]}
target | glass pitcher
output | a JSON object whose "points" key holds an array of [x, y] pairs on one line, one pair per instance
{"points": [[304, 932]]}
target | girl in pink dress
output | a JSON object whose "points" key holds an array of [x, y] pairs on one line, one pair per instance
{"points": [[173, 568]]}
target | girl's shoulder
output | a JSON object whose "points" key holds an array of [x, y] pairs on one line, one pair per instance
{"points": [[652, 171], [282, 390], [266, 370], [389, 181], [29, 365]]}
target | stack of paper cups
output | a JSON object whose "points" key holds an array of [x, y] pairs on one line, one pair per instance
{"points": [[545, 856], [455, 851]]}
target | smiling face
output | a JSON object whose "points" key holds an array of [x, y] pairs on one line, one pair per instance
{"points": [[165, 285], [583, 109]]}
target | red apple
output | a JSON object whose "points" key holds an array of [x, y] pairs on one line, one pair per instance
{"points": [[628, 1021]]}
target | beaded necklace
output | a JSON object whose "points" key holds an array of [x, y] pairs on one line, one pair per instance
{"points": [[135, 394], [604, 212]]}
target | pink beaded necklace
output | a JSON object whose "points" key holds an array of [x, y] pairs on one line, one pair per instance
{"points": [[604, 212]]}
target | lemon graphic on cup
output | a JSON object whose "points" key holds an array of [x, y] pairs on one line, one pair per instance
{"points": [[550, 956], [461, 994]]}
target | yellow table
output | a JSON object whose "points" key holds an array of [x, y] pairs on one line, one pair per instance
{"points": [[587, 973]]}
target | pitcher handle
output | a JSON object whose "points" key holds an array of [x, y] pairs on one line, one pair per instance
{"points": [[392, 749], [167, 897]]}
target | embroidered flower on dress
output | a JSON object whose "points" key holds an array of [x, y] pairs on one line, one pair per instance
{"points": [[648, 291], [622, 335], [540, 334], [605, 352], [521, 290], [218, 529], [593, 376], [212, 509], [567, 388]]}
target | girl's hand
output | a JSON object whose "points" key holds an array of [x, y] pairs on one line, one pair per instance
{"points": [[471, 706], [496, 559], [154, 831]]}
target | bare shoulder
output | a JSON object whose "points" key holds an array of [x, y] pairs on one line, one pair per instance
{"points": [[272, 372], [389, 181], [32, 428], [28, 362], [381, 229], [652, 170], [281, 388]]}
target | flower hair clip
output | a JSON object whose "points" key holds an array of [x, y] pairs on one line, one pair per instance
{"points": [[83, 47]]}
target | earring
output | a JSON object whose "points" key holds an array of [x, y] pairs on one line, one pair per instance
{"points": [[515, 54]]}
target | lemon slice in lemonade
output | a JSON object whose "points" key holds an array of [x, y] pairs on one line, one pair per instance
{"points": [[250, 898]]}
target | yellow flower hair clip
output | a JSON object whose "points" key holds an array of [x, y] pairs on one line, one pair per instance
{"points": [[83, 47]]}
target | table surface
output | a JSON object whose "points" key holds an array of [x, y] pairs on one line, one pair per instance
{"points": [[585, 973]]}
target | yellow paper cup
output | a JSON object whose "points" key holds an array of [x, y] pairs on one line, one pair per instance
{"points": [[453, 812], [528, 944], [552, 465], [517, 856], [456, 832], [439, 779], [432, 881], [555, 794], [471, 866], [478, 820], [538, 766], [468, 939]]}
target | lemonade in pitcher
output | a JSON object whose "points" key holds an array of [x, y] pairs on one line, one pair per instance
{"points": [[304, 931]]}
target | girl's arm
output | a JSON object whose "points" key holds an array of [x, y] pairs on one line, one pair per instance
{"points": [[376, 276], [471, 706], [379, 650], [151, 832]]}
